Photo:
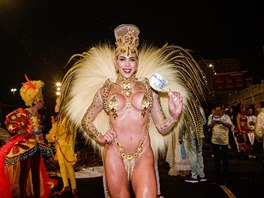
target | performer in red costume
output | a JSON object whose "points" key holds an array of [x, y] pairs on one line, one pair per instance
{"points": [[23, 171]]}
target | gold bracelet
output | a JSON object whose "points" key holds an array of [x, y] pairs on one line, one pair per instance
{"points": [[96, 135]]}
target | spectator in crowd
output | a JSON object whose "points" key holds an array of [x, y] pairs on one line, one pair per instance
{"points": [[220, 124], [195, 149], [251, 122], [241, 131]]}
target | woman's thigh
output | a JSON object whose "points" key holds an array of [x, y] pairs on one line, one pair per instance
{"points": [[144, 180], [116, 175]]}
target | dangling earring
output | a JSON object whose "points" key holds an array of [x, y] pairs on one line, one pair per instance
{"points": [[116, 67]]}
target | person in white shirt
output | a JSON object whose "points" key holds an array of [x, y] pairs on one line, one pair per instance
{"points": [[220, 124]]}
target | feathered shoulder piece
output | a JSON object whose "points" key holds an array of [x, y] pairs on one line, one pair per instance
{"points": [[87, 75], [93, 68], [183, 74], [89, 72]]}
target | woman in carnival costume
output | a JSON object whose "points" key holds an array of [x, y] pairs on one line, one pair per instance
{"points": [[241, 129], [63, 134], [23, 170], [108, 95]]}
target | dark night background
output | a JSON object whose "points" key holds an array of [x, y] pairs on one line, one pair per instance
{"points": [[37, 38]]}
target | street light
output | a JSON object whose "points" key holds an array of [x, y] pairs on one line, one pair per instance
{"points": [[58, 88], [212, 67], [13, 90]]}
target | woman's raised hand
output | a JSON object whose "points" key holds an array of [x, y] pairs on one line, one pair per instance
{"points": [[175, 103]]}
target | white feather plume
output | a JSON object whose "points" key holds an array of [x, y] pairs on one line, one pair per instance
{"points": [[95, 66]]}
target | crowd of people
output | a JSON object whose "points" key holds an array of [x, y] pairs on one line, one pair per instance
{"points": [[238, 128], [244, 119], [134, 106]]}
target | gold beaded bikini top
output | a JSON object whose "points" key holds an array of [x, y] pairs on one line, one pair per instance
{"points": [[137, 96]]}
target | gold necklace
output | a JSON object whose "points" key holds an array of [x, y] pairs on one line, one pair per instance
{"points": [[126, 84]]}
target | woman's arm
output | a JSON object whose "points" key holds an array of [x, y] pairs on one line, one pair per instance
{"points": [[163, 124], [87, 121], [94, 109]]}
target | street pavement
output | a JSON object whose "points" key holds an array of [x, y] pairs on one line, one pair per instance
{"points": [[245, 179]]}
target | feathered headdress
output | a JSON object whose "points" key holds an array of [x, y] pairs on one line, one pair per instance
{"points": [[31, 91]]}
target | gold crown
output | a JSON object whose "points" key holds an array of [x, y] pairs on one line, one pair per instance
{"points": [[31, 91], [127, 40]]}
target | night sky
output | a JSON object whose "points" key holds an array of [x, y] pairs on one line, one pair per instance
{"points": [[38, 37]]}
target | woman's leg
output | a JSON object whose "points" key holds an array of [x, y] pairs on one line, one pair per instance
{"points": [[35, 169], [24, 167], [71, 173], [63, 169], [217, 158], [224, 150], [116, 177], [144, 179]]}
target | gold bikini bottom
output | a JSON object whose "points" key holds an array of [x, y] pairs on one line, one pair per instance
{"points": [[129, 159]]}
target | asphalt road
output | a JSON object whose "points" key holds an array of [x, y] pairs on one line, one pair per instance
{"points": [[245, 179]]}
